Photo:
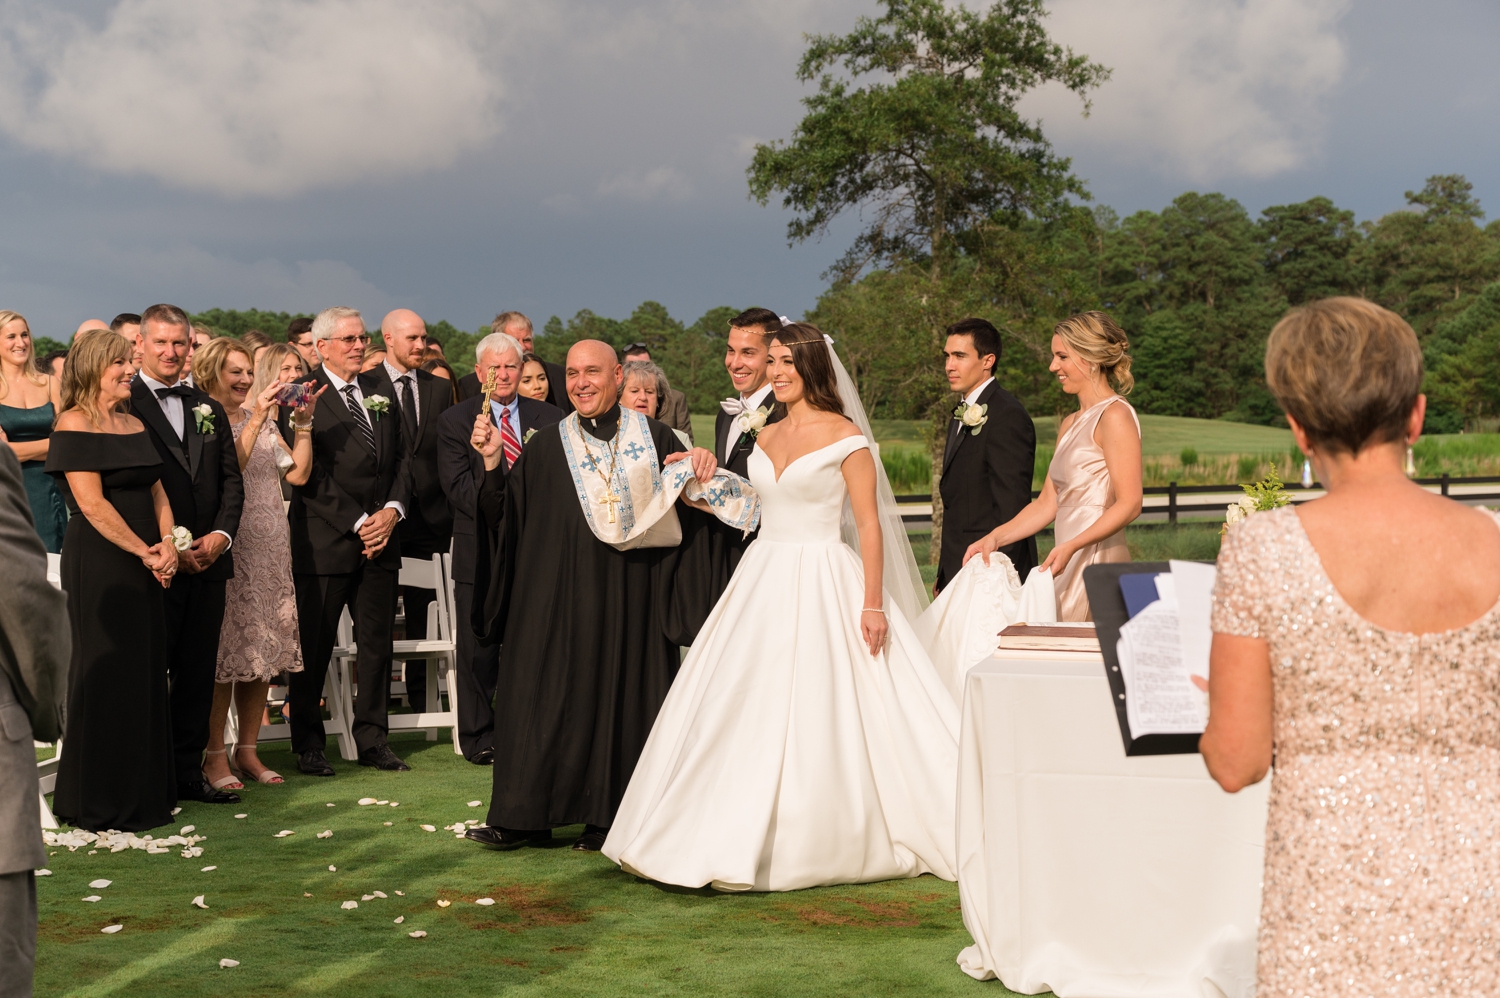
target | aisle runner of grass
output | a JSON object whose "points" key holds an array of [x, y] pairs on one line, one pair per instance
{"points": [[562, 923]]}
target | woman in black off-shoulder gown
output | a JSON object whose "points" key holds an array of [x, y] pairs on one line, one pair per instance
{"points": [[116, 767]]}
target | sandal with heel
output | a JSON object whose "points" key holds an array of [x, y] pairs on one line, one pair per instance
{"points": [[230, 782], [267, 776]]}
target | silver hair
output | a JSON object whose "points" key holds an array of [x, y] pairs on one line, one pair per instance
{"points": [[647, 369], [497, 343], [328, 320]]}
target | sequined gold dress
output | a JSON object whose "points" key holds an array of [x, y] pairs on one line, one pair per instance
{"points": [[1383, 837], [1084, 491]]}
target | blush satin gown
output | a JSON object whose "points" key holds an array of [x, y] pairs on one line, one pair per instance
{"points": [[1081, 478], [785, 755]]}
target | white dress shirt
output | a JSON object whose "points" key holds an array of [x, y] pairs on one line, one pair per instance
{"points": [[416, 393], [973, 396], [498, 409], [171, 407], [338, 384], [753, 401]]}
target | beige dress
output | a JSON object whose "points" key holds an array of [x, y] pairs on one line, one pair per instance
{"points": [[259, 638], [1084, 491], [1383, 838]]}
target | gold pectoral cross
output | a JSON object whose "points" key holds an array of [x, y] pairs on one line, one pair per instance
{"points": [[612, 499]]}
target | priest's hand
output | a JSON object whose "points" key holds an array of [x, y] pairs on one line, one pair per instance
{"points": [[376, 531], [486, 440], [704, 463]]}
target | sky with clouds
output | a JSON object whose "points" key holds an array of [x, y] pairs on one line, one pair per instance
{"points": [[461, 157]]}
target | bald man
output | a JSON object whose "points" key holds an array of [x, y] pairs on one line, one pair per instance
{"points": [[88, 324], [420, 399]]}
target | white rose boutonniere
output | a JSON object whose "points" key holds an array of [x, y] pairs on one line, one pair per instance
{"points": [[181, 538], [972, 417], [203, 418], [753, 422], [525, 439], [378, 405]]}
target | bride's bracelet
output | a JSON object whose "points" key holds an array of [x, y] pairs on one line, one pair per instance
{"points": [[872, 609]]}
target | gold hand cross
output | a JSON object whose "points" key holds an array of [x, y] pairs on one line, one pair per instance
{"points": [[612, 499]]}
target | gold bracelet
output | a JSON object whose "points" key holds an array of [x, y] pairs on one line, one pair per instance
{"points": [[302, 429]]}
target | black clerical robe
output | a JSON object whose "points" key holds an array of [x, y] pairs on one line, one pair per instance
{"points": [[584, 663]]}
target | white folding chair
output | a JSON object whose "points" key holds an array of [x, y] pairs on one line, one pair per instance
{"points": [[439, 648], [46, 769]]}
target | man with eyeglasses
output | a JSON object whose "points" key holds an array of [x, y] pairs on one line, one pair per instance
{"points": [[345, 551]]}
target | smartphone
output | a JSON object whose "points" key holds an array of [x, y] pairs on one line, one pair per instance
{"points": [[292, 395]]}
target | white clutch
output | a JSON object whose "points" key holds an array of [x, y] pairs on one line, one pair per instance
{"points": [[284, 462]]}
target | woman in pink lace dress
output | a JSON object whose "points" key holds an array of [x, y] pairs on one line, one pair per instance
{"points": [[259, 639], [1357, 643]]}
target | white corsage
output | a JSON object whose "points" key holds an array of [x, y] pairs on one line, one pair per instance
{"points": [[378, 405], [526, 437], [1240, 509], [1266, 494], [181, 538], [972, 416], [754, 421], [203, 417]]}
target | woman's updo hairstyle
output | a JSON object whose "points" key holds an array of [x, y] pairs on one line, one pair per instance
{"points": [[1099, 340], [89, 357], [1347, 370], [809, 349]]}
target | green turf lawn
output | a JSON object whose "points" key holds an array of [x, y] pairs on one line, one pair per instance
{"points": [[563, 923]]}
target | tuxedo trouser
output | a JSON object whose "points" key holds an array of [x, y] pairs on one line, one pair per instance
{"points": [[370, 594], [17, 933], [194, 609], [478, 672]]}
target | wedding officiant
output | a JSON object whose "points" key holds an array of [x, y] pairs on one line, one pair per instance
{"points": [[575, 546]]}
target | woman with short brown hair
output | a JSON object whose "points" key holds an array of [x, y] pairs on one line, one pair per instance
{"points": [[1357, 641]]}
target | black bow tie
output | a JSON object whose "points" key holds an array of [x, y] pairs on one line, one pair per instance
{"points": [[181, 391]]}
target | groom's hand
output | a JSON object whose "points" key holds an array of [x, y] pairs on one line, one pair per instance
{"points": [[704, 462]]}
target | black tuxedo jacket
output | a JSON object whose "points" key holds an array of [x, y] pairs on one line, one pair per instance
{"points": [[557, 387], [202, 479], [461, 469], [986, 481], [428, 526], [348, 481], [740, 445]]}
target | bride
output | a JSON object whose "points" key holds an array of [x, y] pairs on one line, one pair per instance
{"points": [[807, 739]]}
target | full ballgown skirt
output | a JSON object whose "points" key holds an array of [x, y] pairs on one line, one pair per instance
{"points": [[962, 626], [116, 768], [785, 755], [1084, 490]]}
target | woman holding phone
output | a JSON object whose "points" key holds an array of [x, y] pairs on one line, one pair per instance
{"points": [[259, 637]]}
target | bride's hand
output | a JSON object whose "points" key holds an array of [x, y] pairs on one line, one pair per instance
{"points": [[873, 627], [984, 547], [1057, 559]]}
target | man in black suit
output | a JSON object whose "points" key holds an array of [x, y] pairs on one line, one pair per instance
{"points": [[345, 551], [462, 471], [988, 459], [428, 527], [518, 327], [200, 471], [746, 359]]}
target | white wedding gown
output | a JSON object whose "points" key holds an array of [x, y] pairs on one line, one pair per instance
{"points": [[785, 755]]}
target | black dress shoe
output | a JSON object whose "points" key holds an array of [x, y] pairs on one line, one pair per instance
{"points": [[484, 757], [200, 791], [381, 757], [314, 763], [507, 838], [592, 839]]}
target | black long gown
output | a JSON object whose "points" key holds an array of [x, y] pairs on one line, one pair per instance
{"points": [[585, 663], [116, 767]]}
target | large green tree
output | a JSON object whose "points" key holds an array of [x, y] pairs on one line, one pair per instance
{"points": [[1307, 249]]}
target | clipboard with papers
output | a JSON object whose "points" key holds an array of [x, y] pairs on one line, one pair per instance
{"points": [[1152, 620]]}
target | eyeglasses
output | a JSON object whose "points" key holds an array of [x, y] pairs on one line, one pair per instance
{"points": [[349, 341]]}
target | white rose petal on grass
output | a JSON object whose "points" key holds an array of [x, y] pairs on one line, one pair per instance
{"points": [[388, 824], [429, 828], [401, 894], [349, 904], [379, 894], [475, 803], [382, 802], [110, 930], [242, 816], [444, 904], [199, 902], [99, 885], [306, 894], [333, 869], [44, 873], [332, 805], [368, 897], [326, 833], [176, 811], [418, 934], [208, 869], [93, 897], [366, 800], [187, 828], [226, 963], [283, 833], [400, 919], [485, 901], [395, 803]]}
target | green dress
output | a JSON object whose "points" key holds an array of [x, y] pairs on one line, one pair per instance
{"points": [[47, 506]]}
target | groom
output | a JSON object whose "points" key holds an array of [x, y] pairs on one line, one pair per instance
{"points": [[989, 453]]}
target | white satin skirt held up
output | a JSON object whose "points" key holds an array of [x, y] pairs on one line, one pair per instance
{"points": [[785, 755]]}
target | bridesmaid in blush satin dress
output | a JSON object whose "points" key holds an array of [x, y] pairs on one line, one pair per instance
{"points": [[1093, 486]]}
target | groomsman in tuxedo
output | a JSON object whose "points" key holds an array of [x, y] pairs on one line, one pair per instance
{"points": [[345, 550], [988, 458], [461, 470], [200, 471], [428, 527], [518, 327]]}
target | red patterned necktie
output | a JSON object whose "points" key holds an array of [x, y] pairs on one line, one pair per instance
{"points": [[508, 440]]}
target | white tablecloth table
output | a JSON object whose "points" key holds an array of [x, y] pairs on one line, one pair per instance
{"points": [[1084, 871]]}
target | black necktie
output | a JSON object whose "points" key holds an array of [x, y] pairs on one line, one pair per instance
{"points": [[180, 390], [408, 407], [360, 419]]}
